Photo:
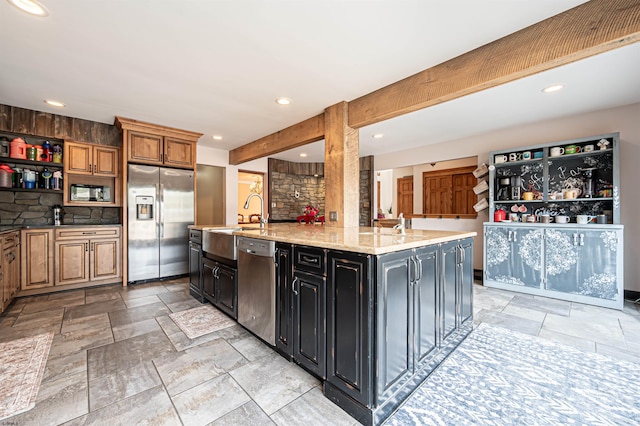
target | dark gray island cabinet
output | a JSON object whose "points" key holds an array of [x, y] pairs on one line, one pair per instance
{"points": [[383, 322]]}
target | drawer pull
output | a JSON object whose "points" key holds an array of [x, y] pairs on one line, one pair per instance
{"points": [[310, 259]]}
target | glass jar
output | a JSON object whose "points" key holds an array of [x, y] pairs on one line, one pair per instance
{"points": [[32, 153], [57, 153]]}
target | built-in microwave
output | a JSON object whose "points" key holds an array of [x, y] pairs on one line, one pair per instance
{"points": [[81, 192]]}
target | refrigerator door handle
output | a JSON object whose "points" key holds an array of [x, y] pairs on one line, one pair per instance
{"points": [[161, 210]]}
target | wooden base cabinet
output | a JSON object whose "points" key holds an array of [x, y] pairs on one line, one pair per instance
{"points": [[37, 258], [9, 268], [87, 255]]}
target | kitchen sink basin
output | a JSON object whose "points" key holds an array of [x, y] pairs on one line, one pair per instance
{"points": [[220, 242]]}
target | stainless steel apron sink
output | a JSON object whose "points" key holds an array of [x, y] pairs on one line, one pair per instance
{"points": [[219, 242]]}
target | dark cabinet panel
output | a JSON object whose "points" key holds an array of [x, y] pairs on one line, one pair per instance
{"points": [[310, 259], [394, 316], [449, 294], [220, 286], [308, 321], [284, 312], [227, 290], [349, 319], [466, 279], [208, 280], [426, 293], [195, 278]]}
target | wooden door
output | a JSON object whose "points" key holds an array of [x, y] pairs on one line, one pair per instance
{"points": [[78, 158], [437, 195], [462, 192], [37, 258], [405, 195], [145, 148], [105, 259], [179, 153], [105, 161], [72, 262]]}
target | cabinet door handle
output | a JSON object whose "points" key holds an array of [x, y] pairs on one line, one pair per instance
{"points": [[95, 168], [581, 239], [462, 254], [86, 246], [293, 286], [515, 234], [419, 269], [413, 275], [575, 239], [509, 237], [275, 257]]}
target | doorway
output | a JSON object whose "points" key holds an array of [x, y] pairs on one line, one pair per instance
{"points": [[250, 183]]}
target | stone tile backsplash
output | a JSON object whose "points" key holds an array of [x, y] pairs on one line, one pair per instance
{"points": [[35, 208]]}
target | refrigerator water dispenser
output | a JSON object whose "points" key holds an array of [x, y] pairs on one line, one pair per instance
{"points": [[144, 208]]}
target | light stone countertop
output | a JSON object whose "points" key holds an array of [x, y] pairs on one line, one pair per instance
{"points": [[360, 240]]}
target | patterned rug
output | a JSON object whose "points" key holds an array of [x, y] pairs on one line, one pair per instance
{"points": [[501, 377], [202, 320], [22, 365]]}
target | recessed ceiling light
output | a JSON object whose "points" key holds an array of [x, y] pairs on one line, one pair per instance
{"points": [[217, 137], [32, 7], [283, 101], [303, 154], [553, 88], [54, 103], [377, 136]]}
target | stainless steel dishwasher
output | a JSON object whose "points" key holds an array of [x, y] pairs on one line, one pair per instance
{"points": [[257, 287]]}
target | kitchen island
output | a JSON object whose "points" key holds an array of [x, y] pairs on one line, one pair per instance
{"points": [[370, 311]]}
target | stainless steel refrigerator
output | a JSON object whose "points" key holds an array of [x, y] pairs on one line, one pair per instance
{"points": [[161, 206]]}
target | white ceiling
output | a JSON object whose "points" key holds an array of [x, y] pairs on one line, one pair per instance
{"points": [[216, 66]]}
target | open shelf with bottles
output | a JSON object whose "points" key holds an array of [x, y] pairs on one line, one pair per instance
{"points": [[571, 178]]}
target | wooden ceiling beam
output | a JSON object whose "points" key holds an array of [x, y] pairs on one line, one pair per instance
{"points": [[589, 29], [307, 131]]}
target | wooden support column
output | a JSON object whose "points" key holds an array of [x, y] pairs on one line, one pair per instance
{"points": [[341, 168]]}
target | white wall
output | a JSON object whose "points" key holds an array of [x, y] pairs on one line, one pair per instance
{"points": [[386, 191], [625, 120], [218, 157]]}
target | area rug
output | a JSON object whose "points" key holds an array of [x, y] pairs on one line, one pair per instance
{"points": [[22, 364], [501, 377], [199, 321]]}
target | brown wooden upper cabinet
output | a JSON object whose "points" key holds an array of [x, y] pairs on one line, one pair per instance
{"points": [[148, 143], [90, 159], [160, 150]]}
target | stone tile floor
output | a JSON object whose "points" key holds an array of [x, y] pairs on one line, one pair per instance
{"points": [[117, 357]]}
